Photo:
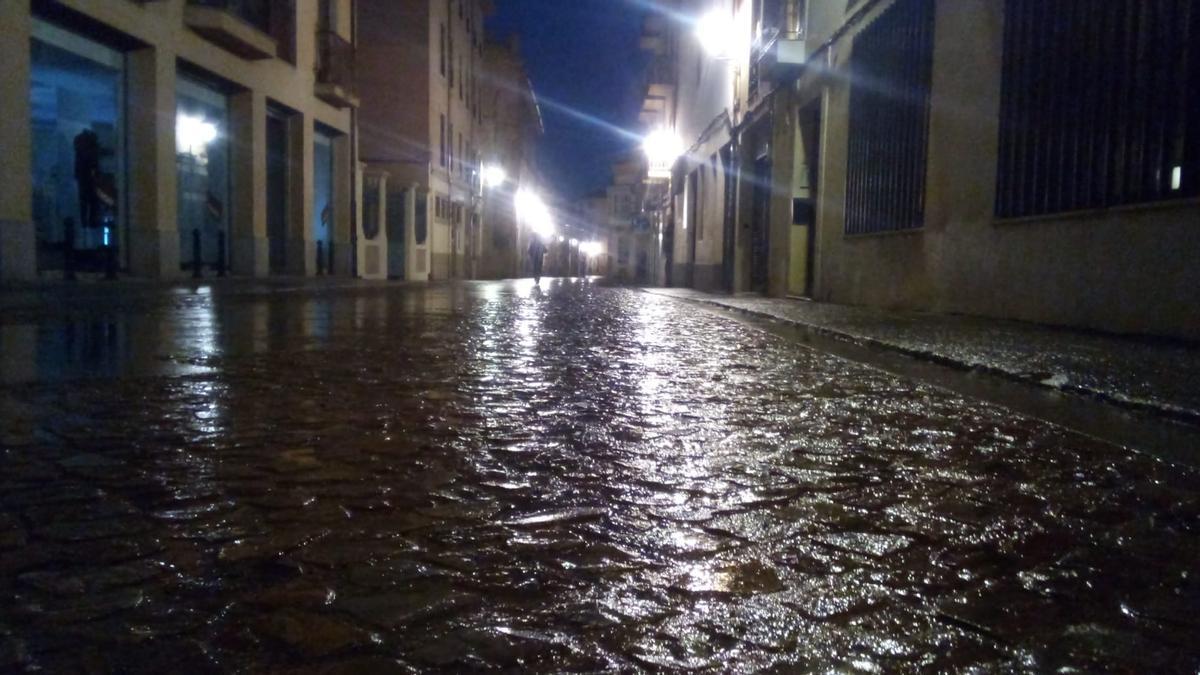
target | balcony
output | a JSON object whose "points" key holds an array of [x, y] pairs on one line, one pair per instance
{"points": [[336, 70], [782, 56], [242, 27]]}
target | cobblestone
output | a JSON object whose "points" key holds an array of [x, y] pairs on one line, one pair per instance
{"points": [[567, 478], [1141, 373]]}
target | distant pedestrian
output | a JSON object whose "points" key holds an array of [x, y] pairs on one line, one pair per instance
{"points": [[537, 251]]}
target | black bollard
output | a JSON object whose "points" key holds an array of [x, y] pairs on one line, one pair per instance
{"points": [[221, 253], [320, 258], [69, 249], [196, 263]]}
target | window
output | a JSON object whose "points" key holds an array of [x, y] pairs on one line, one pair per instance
{"points": [[450, 56], [78, 156], [460, 154], [1098, 105], [775, 16], [892, 63], [442, 51], [450, 146], [442, 143], [327, 18]]}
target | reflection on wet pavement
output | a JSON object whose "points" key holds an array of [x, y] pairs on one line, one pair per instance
{"points": [[556, 478]]}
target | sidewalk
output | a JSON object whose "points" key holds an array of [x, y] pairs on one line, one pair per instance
{"points": [[19, 301], [1160, 377]]}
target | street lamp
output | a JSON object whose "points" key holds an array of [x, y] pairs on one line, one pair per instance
{"points": [[494, 175], [716, 35], [532, 210], [662, 148]]}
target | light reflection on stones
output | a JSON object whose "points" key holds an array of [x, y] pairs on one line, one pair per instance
{"points": [[559, 478]]}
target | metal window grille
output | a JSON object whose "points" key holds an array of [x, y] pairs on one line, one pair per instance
{"points": [[891, 67], [1100, 105]]}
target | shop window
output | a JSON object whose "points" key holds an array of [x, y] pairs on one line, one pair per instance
{"points": [[202, 161], [78, 109]]}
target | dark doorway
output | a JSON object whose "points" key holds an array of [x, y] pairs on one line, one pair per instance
{"points": [[277, 191], [693, 224], [760, 224], [669, 251], [396, 234], [729, 244], [802, 263]]}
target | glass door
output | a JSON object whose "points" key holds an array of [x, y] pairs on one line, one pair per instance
{"points": [[323, 198], [277, 191], [202, 160]]}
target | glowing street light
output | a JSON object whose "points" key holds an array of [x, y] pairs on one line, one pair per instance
{"points": [[716, 35], [662, 148], [534, 212], [494, 175], [591, 249]]}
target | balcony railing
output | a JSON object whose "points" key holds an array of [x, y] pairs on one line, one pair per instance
{"points": [[777, 55], [336, 69]]}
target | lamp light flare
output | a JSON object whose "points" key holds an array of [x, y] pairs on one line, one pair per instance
{"points": [[534, 213], [662, 147], [494, 175], [591, 249], [716, 34]]}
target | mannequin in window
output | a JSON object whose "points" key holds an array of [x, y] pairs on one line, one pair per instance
{"points": [[87, 171]]}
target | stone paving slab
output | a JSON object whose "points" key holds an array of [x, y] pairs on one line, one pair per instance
{"points": [[1157, 376]]}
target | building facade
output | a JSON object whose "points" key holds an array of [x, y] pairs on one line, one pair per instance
{"points": [[420, 74], [172, 137], [512, 127], [986, 157], [632, 242]]}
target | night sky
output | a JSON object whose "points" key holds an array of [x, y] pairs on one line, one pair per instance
{"points": [[583, 55]]}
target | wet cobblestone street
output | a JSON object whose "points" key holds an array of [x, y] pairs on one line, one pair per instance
{"points": [[568, 477]]}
